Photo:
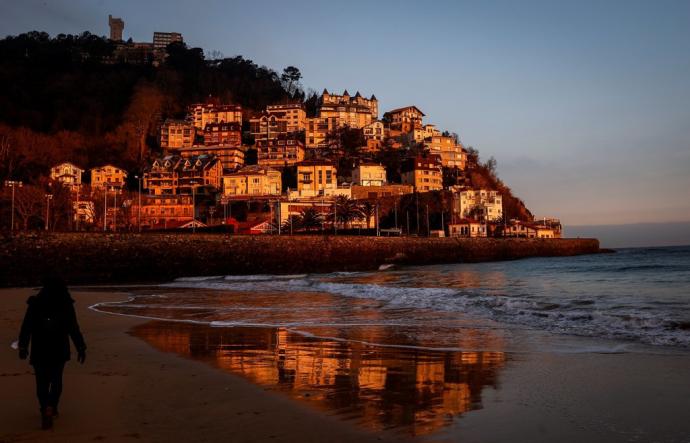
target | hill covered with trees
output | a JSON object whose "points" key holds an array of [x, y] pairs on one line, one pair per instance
{"points": [[74, 98], [70, 98]]}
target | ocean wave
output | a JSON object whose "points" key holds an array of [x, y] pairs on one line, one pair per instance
{"points": [[579, 316]]}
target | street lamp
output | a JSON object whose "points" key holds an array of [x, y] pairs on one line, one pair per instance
{"points": [[192, 183], [49, 197], [115, 192], [13, 184], [105, 208], [139, 206]]}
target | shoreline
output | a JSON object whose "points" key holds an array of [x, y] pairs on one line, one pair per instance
{"points": [[90, 258], [165, 381], [129, 391]]}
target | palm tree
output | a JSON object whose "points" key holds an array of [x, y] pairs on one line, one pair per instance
{"points": [[293, 223], [368, 209], [309, 218], [346, 211]]}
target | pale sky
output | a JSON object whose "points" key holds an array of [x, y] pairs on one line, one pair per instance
{"points": [[585, 105]]}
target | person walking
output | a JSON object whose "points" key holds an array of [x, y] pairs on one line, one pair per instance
{"points": [[50, 321]]}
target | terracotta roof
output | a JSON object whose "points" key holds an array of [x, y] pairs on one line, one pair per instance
{"points": [[394, 111]]}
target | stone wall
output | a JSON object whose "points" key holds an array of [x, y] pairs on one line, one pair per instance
{"points": [[128, 258]]}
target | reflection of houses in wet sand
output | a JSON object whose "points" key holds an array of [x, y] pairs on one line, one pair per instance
{"points": [[411, 388]]}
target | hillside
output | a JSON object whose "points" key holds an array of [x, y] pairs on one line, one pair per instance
{"points": [[65, 103], [75, 98]]}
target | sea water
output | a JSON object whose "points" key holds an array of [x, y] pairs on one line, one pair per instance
{"points": [[634, 296]]}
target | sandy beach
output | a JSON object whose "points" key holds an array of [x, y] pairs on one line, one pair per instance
{"points": [[129, 391], [153, 381]]}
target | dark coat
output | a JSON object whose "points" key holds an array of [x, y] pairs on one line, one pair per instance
{"points": [[48, 325]]}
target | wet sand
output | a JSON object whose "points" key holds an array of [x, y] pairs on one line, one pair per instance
{"points": [[130, 391], [154, 381]]}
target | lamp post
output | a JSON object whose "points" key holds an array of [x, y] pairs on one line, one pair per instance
{"points": [[105, 208], [115, 192], [192, 183], [49, 197], [13, 184], [139, 205]]}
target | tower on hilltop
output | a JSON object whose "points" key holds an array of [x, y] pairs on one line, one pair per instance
{"points": [[116, 26]]}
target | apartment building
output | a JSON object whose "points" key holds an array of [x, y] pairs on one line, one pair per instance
{"points": [[356, 111], [201, 114], [177, 134], [231, 156], [316, 178], [404, 119], [318, 129], [223, 134], [268, 127], [480, 204], [162, 211], [292, 113], [427, 131], [279, 152], [368, 173], [252, 180], [68, 174], [453, 155], [175, 175], [108, 177], [161, 40], [375, 130], [423, 172]]}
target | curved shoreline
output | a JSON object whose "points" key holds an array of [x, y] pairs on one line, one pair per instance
{"points": [[86, 258]]}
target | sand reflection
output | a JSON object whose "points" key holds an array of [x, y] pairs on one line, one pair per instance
{"points": [[416, 391]]}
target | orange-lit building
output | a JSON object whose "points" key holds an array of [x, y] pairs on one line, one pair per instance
{"points": [[229, 134], [404, 119], [230, 156], [317, 131], [175, 175], [316, 177], [293, 114], [162, 211], [108, 176], [68, 174], [201, 114], [280, 152], [376, 192], [177, 134], [453, 155], [423, 172], [467, 228], [355, 112], [252, 180]]}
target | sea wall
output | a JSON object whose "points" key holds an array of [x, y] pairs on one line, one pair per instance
{"points": [[129, 258]]}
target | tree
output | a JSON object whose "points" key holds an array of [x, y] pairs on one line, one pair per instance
{"points": [[29, 204], [346, 211], [290, 80], [368, 210], [293, 223], [310, 219]]}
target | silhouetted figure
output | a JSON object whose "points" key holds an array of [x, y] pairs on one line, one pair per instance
{"points": [[49, 322]]}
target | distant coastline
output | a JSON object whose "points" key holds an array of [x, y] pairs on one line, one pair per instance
{"points": [[636, 235], [152, 258]]}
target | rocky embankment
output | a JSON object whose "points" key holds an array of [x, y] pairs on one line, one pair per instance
{"points": [[138, 258]]}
